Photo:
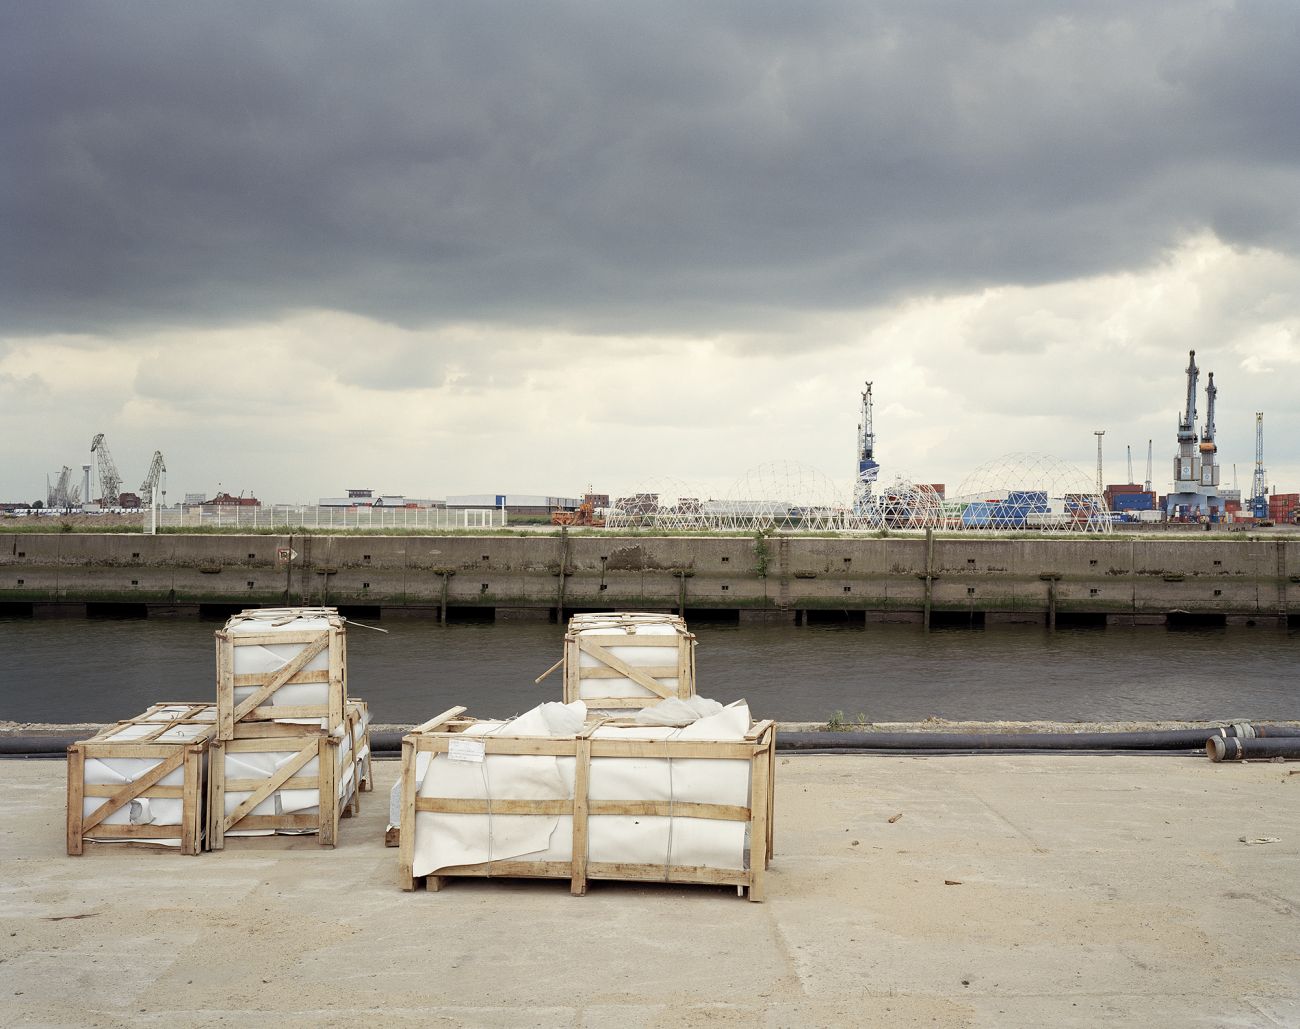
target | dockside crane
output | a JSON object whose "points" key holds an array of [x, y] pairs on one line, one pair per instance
{"points": [[1147, 484], [1187, 423], [1259, 487], [62, 495], [1128, 448], [110, 480], [156, 476], [868, 469]]}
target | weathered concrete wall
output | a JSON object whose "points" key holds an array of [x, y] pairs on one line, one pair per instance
{"points": [[1008, 580]]}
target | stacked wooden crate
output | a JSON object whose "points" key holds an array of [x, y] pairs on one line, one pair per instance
{"points": [[290, 751], [587, 790], [141, 780], [623, 661]]}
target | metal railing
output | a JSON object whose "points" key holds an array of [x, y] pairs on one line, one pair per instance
{"points": [[295, 516]]}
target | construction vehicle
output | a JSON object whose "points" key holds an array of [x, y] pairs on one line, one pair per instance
{"points": [[584, 515]]}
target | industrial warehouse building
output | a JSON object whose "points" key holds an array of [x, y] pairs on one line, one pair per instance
{"points": [[520, 505]]}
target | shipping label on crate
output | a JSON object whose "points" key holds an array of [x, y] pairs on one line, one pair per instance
{"points": [[467, 749]]}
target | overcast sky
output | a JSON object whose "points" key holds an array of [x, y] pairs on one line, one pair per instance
{"points": [[438, 248]]}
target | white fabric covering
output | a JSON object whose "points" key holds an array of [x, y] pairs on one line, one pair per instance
{"points": [[443, 840], [677, 712]]}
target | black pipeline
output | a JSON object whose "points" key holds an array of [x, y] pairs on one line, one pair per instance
{"points": [[1238, 748], [1171, 739], [867, 742]]}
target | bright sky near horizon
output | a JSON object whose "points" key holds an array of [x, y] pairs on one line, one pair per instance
{"points": [[435, 248]]}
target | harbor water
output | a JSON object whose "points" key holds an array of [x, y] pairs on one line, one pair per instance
{"points": [[102, 670]]}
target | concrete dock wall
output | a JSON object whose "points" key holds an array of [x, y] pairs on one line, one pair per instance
{"points": [[777, 578]]}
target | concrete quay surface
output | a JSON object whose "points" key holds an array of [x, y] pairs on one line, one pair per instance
{"points": [[1055, 890]]}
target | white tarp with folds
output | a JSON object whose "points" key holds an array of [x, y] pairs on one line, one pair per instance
{"points": [[270, 658], [444, 840]]}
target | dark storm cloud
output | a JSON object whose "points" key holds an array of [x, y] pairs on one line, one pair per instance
{"points": [[619, 167]]}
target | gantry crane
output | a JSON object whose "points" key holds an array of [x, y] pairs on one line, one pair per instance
{"points": [[110, 480]]}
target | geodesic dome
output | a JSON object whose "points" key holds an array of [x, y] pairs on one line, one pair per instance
{"points": [[785, 496], [1026, 491], [901, 505]]}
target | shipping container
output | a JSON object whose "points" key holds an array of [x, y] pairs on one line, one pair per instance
{"points": [[1133, 502]]}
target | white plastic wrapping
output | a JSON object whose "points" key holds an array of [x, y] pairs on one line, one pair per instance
{"points": [[445, 840]]}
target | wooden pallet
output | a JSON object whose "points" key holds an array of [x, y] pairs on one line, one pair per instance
{"points": [[257, 628], [436, 735], [672, 676], [337, 796], [174, 737]]}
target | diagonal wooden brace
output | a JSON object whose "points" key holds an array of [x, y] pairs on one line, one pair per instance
{"points": [[637, 675], [281, 776]]}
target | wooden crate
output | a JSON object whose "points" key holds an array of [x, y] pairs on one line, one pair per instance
{"points": [[281, 665], [341, 767], [437, 735], [156, 761], [358, 723], [627, 660]]}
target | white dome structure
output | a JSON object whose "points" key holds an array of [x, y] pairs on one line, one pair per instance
{"points": [[1026, 491], [786, 496]]}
